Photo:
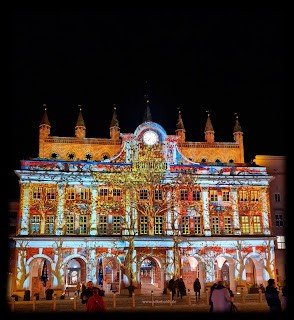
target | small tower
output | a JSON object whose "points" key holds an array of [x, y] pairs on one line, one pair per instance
{"points": [[80, 128], [44, 131], [238, 137], [114, 126], [180, 130], [208, 131]]}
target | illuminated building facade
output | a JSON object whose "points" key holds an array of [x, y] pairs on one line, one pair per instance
{"points": [[142, 207]]}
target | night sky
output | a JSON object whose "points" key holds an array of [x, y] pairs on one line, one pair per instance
{"points": [[221, 61]]}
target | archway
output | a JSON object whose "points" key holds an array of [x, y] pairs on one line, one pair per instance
{"points": [[224, 269], [250, 271], [75, 273], [150, 275], [192, 269], [110, 275], [36, 267]]}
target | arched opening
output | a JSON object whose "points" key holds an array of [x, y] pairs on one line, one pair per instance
{"points": [[192, 269], [224, 270], [110, 275], [250, 271], [75, 273], [150, 275], [36, 267]]}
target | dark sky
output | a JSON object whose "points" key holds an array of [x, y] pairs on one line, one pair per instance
{"points": [[224, 61]]}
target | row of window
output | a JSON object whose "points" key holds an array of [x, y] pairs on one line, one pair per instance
{"points": [[219, 225]]}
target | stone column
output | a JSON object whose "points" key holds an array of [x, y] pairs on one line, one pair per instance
{"points": [[265, 210], [93, 229], [60, 209], [25, 200], [207, 231], [237, 230]]}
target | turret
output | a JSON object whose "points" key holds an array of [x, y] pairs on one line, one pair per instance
{"points": [[80, 128], [238, 137], [44, 131], [180, 129], [208, 131], [114, 126]]}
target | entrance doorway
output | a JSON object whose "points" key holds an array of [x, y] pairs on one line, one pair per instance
{"points": [[73, 273], [225, 273], [150, 275]]}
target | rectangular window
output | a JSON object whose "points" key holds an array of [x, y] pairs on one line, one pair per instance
{"points": [[225, 195], [71, 194], [184, 195], [277, 197], [279, 220], [158, 194], [227, 225], [116, 225], [84, 194], [117, 194], [143, 225], [51, 193], [103, 193], [158, 225], [256, 224], [70, 225], [254, 195], [143, 194], [215, 225], [243, 195], [213, 195], [197, 225], [245, 227], [83, 224], [35, 223], [196, 195], [281, 244], [49, 224], [37, 193], [103, 224], [185, 225]]}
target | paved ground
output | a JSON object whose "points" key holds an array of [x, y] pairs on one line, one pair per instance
{"points": [[143, 304]]}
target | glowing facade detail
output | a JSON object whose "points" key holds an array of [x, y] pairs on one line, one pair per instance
{"points": [[144, 201]]}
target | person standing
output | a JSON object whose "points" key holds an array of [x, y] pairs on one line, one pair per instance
{"points": [[272, 296], [197, 288], [220, 298], [172, 286], [182, 287], [86, 294], [95, 302], [78, 288]]}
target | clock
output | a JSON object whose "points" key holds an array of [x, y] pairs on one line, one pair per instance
{"points": [[150, 138]]}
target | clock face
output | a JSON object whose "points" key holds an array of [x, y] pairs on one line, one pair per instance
{"points": [[150, 138]]}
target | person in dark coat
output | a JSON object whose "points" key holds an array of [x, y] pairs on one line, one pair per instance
{"points": [[177, 287], [211, 290], [86, 294], [172, 286], [197, 288], [272, 296], [182, 287]]}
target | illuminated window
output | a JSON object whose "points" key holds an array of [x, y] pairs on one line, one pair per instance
{"points": [[143, 225], [84, 224], [158, 194], [225, 195], [279, 220], [184, 195], [213, 195], [116, 225], [256, 224], [215, 225], [35, 223], [196, 195], [227, 225], [84, 194], [281, 242], [245, 227], [143, 194], [185, 225], [277, 197], [158, 225], [254, 195], [243, 195], [51, 193], [103, 193], [49, 224], [37, 193], [70, 225], [117, 194], [103, 224], [71, 194], [197, 225]]}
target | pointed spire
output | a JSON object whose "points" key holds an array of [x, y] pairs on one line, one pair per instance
{"points": [[147, 114], [208, 126], [80, 121], [45, 120], [114, 121], [180, 123], [237, 127]]}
